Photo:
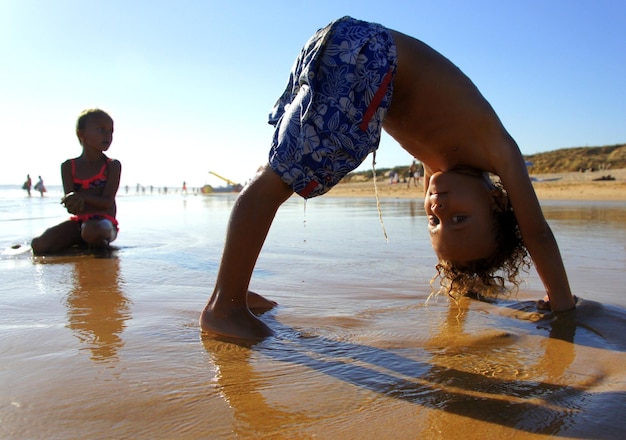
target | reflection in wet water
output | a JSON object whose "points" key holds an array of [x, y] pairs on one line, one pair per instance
{"points": [[583, 214], [96, 306], [243, 389]]}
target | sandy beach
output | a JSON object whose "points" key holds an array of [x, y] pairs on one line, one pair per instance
{"points": [[108, 346], [569, 186]]}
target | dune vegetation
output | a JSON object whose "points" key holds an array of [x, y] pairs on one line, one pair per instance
{"points": [[610, 157]]}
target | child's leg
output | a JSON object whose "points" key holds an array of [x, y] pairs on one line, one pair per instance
{"points": [[227, 313], [98, 232], [57, 238]]}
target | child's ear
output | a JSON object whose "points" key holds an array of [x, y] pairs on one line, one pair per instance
{"points": [[500, 199]]}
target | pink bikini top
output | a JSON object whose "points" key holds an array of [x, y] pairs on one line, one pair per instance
{"points": [[97, 181]]}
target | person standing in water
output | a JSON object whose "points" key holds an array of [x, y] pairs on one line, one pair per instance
{"points": [[27, 185], [39, 186], [90, 183]]}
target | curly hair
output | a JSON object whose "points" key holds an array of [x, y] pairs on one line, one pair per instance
{"points": [[486, 278]]}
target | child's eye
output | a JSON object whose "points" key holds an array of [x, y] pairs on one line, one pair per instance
{"points": [[458, 218]]}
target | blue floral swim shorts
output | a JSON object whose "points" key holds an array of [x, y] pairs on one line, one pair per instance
{"points": [[330, 116]]}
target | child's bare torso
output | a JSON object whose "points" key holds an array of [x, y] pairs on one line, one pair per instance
{"points": [[96, 175], [438, 115]]}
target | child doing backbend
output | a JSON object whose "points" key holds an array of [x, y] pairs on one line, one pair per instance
{"points": [[352, 79], [90, 183]]}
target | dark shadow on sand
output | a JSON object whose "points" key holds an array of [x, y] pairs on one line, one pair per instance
{"points": [[528, 406]]}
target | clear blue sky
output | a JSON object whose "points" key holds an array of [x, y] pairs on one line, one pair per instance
{"points": [[189, 83]]}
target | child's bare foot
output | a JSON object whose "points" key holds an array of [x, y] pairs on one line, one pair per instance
{"points": [[235, 324], [259, 304]]}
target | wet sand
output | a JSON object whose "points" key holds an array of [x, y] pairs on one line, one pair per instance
{"points": [[569, 186], [108, 346]]}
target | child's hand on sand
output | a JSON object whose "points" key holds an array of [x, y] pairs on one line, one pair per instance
{"points": [[544, 304]]}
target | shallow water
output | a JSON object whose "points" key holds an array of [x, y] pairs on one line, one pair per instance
{"points": [[110, 347]]}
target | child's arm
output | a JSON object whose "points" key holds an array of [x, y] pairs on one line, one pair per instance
{"points": [[85, 201], [536, 233], [66, 177], [107, 198], [73, 203]]}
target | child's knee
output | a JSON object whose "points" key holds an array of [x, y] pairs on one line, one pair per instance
{"points": [[98, 232], [37, 246]]}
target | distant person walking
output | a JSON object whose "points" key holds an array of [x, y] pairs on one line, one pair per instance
{"points": [[28, 184], [412, 175], [39, 186]]}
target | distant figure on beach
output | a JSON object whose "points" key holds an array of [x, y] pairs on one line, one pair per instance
{"points": [[412, 175], [184, 188], [39, 186], [27, 184], [329, 118], [90, 183], [393, 177]]}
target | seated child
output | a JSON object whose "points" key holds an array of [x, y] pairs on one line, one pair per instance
{"points": [[90, 183]]}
